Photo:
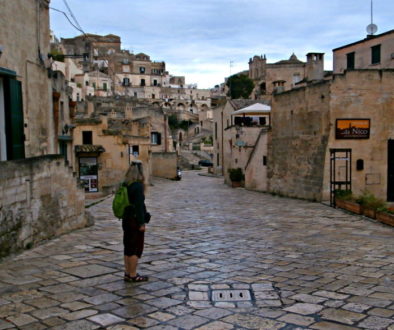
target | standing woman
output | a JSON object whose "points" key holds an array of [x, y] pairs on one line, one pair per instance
{"points": [[133, 222]]}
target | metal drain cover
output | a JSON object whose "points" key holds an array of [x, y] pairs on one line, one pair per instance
{"points": [[231, 295]]}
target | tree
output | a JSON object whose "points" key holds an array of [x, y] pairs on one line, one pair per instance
{"points": [[240, 86]]}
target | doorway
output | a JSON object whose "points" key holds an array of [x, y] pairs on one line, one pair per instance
{"points": [[340, 171], [390, 171]]}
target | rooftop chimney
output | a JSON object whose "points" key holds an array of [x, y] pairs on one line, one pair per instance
{"points": [[314, 66]]}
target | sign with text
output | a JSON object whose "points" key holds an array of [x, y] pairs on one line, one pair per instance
{"points": [[352, 128]]}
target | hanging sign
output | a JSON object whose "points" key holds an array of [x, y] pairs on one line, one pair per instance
{"points": [[352, 129]]}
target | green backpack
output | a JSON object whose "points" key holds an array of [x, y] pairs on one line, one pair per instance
{"points": [[120, 202]]}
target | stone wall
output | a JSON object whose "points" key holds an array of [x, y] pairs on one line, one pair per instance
{"points": [[300, 130], [164, 164], [256, 167], [39, 200]]}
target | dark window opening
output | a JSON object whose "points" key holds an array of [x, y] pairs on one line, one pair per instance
{"points": [[350, 58], [135, 150], [263, 88], [155, 138], [375, 54], [87, 137], [265, 160], [155, 82], [142, 69], [360, 164], [142, 82], [126, 82]]}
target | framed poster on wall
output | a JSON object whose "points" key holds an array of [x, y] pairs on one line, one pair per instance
{"points": [[88, 173], [352, 128]]}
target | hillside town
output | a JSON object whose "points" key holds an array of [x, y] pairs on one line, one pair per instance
{"points": [[75, 113]]}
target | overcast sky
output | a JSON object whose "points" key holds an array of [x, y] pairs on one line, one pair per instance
{"points": [[199, 38]]}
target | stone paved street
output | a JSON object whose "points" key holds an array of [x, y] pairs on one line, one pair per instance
{"points": [[218, 258]]}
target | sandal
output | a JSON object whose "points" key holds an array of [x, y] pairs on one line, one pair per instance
{"points": [[137, 278]]}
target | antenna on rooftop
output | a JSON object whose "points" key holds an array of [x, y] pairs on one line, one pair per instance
{"points": [[372, 28]]}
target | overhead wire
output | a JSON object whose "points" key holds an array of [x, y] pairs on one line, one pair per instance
{"points": [[72, 15]]}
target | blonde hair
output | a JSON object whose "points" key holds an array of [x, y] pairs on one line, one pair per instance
{"points": [[135, 173]]}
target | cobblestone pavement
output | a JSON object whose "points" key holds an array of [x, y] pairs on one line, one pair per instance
{"points": [[218, 258]]}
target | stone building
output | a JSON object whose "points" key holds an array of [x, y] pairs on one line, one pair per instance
{"points": [[111, 132], [236, 134], [282, 75], [131, 75], [373, 52], [333, 131], [39, 195]]}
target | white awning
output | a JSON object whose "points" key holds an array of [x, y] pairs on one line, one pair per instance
{"points": [[254, 109]]}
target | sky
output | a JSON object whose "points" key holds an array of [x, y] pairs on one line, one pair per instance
{"points": [[208, 40]]}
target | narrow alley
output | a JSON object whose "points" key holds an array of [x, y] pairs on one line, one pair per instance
{"points": [[217, 258]]}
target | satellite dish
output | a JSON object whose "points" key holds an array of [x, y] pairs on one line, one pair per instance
{"points": [[372, 28]]}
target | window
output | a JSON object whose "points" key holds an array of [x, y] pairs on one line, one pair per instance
{"points": [[142, 82], [142, 69], [135, 150], [155, 82], [263, 121], [87, 137], [94, 85], [375, 54], [216, 131], [155, 138], [61, 110], [350, 61], [105, 86], [126, 82], [86, 83], [135, 94], [296, 79], [153, 96], [217, 159], [265, 160]]}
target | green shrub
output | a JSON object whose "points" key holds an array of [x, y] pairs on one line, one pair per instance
{"points": [[369, 200], [345, 195], [236, 174]]}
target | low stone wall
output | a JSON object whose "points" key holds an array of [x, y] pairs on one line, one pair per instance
{"points": [[164, 164], [39, 200]]}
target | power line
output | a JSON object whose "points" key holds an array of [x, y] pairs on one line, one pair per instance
{"points": [[68, 19], [72, 15]]}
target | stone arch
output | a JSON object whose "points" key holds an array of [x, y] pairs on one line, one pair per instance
{"points": [[204, 107], [181, 106]]}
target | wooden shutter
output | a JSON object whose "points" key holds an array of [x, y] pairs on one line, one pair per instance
{"points": [[14, 121]]}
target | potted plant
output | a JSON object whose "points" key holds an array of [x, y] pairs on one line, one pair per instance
{"points": [[385, 215], [370, 204], [236, 177], [344, 199]]}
